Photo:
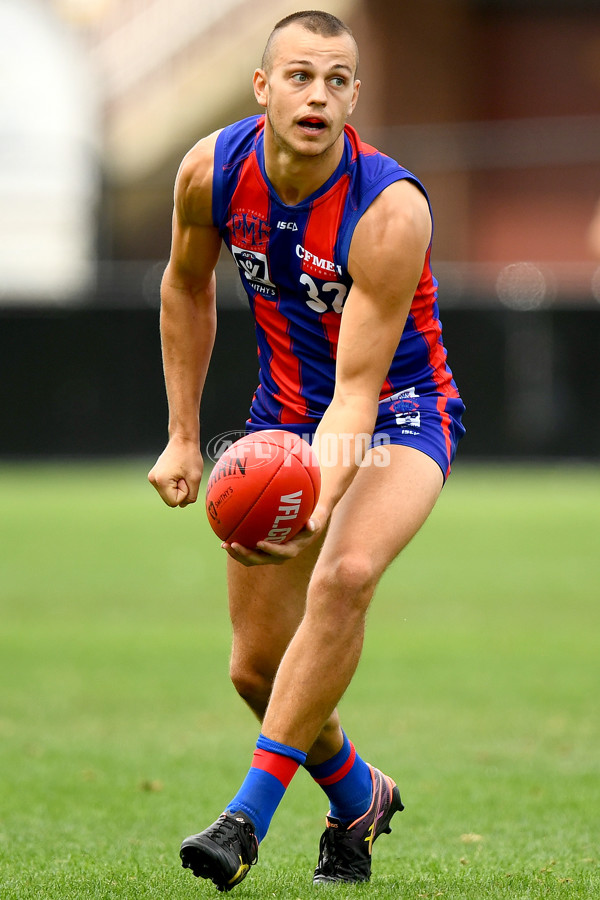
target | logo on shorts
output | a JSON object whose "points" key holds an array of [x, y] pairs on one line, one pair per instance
{"points": [[405, 408]]}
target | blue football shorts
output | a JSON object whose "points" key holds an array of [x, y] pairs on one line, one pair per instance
{"points": [[431, 423]]}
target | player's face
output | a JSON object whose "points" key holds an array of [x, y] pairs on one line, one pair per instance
{"points": [[309, 90]]}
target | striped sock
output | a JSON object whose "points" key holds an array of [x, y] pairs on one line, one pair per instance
{"points": [[346, 779], [273, 767]]}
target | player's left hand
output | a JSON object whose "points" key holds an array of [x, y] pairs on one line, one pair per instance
{"points": [[268, 554]]}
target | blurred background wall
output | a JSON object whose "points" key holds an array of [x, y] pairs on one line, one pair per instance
{"points": [[494, 104]]}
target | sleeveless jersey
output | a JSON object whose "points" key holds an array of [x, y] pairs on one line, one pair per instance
{"points": [[293, 266]]}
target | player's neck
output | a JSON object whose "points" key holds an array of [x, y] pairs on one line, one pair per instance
{"points": [[295, 177]]}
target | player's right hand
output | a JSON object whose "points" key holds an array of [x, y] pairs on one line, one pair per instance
{"points": [[177, 473]]}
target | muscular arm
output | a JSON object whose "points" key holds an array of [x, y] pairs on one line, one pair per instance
{"points": [[188, 325], [386, 261]]}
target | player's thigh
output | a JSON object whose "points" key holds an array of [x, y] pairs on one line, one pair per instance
{"points": [[392, 495], [266, 605]]}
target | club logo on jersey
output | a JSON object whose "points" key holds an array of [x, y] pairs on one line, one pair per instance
{"points": [[255, 267], [248, 229], [405, 408]]}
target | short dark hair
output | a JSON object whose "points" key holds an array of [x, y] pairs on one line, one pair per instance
{"points": [[315, 20]]}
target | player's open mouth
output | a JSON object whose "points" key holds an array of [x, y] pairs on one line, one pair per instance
{"points": [[311, 124]]}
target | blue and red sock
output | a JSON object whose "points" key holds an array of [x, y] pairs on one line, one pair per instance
{"points": [[347, 781], [273, 767]]}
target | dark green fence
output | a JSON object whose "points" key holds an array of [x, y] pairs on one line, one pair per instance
{"points": [[88, 381]]}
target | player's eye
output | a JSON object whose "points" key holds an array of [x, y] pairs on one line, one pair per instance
{"points": [[338, 81], [300, 77]]}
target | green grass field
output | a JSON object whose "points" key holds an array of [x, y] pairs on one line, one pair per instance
{"points": [[478, 691]]}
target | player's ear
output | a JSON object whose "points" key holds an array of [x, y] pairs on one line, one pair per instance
{"points": [[261, 87], [354, 100]]}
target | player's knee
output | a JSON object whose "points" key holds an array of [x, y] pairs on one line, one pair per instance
{"points": [[253, 685], [352, 579]]}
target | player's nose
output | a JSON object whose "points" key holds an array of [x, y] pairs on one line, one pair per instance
{"points": [[318, 92]]}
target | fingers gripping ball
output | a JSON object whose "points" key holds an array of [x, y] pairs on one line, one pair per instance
{"points": [[264, 487]]}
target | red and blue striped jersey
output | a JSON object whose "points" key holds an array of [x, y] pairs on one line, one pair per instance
{"points": [[293, 263]]}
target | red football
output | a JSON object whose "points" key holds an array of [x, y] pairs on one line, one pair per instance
{"points": [[264, 487]]}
